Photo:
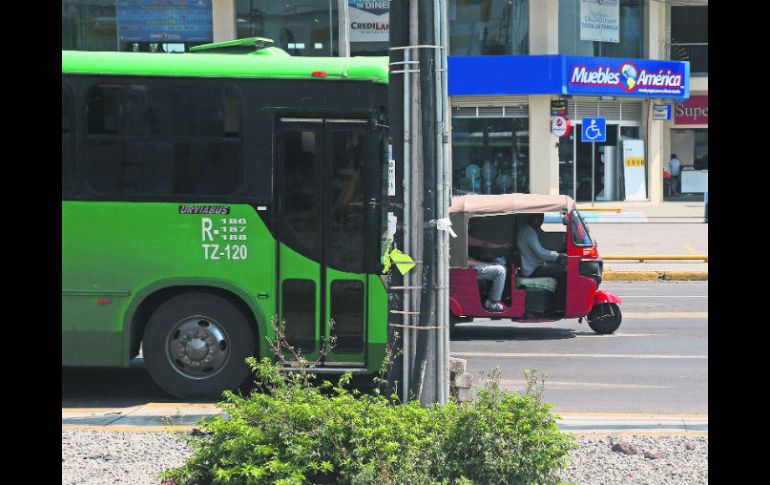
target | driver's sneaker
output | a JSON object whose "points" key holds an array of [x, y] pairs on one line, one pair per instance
{"points": [[496, 307]]}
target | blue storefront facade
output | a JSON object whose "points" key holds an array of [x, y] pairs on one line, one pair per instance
{"points": [[502, 107]]}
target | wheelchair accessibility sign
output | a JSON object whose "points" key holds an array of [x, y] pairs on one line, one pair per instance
{"points": [[594, 130]]}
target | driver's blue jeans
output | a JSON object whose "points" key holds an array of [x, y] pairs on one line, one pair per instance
{"points": [[494, 273]]}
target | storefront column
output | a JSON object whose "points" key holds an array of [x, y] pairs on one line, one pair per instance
{"points": [[656, 152], [655, 25], [544, 27], [543, 148], [223, 20]]}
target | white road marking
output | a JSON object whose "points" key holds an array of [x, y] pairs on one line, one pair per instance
{"points": [[515, 355], [662, 296], [673, 315], [614, 335], [626, 315], [581, 385]]}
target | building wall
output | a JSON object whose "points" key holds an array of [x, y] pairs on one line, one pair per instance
{"points": [[223, 15], [543, 145], [544, 39], [699, 86]]}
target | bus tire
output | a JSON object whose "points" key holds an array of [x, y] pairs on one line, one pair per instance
{"points": [[195, 345]]}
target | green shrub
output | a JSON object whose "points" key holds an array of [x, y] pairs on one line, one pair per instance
{"points": [[289, 431]]}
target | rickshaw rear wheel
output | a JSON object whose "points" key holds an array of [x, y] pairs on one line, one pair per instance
{"points": [[605, 318], [452, 322]]}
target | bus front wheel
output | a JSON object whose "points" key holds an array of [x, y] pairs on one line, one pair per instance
{"points": [[195, 345]]}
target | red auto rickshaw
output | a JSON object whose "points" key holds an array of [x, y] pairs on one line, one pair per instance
{"points": [[496, 218]]}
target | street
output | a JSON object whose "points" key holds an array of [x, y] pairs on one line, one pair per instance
{"points": [[657, 362]]}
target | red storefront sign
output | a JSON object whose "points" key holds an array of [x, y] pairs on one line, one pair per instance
{"points": [[694, 111]]}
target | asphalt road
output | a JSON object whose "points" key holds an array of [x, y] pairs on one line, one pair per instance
{"points": [[657, 361]]}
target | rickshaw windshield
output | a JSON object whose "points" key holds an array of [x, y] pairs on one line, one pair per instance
{"points": [[580, 235]]}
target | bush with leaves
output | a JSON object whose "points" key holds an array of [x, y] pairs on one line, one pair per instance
{"points": [[289, 430]]}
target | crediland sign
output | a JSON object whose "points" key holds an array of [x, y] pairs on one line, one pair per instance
{"points": [[627, 77], [369, 20]]}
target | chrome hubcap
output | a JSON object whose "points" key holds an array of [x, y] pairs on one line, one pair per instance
{"points": [[197, 347]]}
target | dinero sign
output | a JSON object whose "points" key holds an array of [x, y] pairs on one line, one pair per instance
{"points": [[694, 111]]}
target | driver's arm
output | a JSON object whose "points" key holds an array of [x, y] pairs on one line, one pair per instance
{"points": [[474, 241], [528, 236]]}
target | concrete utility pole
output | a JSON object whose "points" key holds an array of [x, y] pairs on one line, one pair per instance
{"points": [[399, 136], [426, 185], [424, 371]]}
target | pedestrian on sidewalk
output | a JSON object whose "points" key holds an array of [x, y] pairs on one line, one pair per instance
{"points": [[676, 171], [666, 182]]}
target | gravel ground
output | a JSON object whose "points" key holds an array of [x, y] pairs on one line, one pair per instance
{"points": [[595, 462], [107, 458]]}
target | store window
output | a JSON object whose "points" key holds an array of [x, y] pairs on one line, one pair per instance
{"points": [[691, 148], [690, 37], [488, 27], [300, 27], [630, 15], [490, 155], [584, 167], [135, 25], [89, 25]]}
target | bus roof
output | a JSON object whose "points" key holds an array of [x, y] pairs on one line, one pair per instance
{"points": [[270, 62]]}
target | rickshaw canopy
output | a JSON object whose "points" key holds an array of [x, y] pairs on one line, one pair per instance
{"points": [[474, 204]]}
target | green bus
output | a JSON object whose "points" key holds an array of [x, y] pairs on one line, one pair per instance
{"points": [[210, 194]]}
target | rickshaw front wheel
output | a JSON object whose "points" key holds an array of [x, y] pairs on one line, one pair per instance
{"points": [[453, 320], [605, 318]]}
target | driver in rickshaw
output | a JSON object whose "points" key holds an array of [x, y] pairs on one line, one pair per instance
{"points": [[535, 258]]}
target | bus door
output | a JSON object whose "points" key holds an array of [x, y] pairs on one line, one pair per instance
{"points": [[322, 191]]}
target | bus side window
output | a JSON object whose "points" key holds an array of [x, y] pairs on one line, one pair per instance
{"points": [[164, 138], [67, 139]]}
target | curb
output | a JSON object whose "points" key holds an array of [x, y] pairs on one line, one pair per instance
{"points": [[655, 275], [183, 417]]}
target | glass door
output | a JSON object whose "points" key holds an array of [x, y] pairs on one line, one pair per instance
{"points": [[299, 232], [567, 164], [347, 150], [322, 189], [583, 171]]}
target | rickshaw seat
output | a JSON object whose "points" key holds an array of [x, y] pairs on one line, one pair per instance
{"points": [[539, 283], [542, 283]]}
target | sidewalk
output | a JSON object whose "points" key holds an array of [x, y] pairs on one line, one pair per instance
{"points": [[673, 228], [183, 416], [689, 209]]}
